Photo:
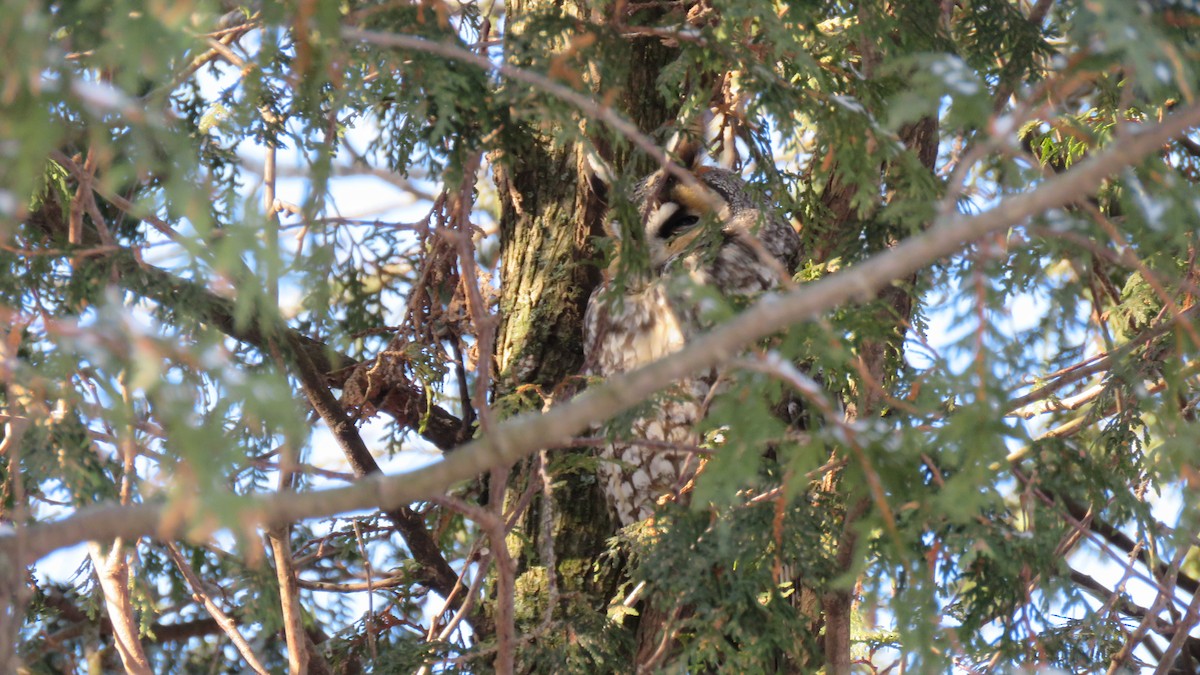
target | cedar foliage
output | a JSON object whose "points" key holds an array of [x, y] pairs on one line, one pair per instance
{"points": [[998, 466]]}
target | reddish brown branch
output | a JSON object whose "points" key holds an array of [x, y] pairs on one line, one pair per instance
{"points": [[440, 576]]}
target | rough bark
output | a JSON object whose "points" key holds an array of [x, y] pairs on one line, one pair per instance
{"points": [[547, 218]]}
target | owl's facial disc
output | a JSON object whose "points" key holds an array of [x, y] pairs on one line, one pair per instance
{"points": [[671, 229]]}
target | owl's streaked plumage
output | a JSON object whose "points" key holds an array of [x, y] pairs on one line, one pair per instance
{"points": [[714, 233]]}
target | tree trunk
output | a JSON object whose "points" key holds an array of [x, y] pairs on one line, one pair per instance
{"points": [[549, 215]]}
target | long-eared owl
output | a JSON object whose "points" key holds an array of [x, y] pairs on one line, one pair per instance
{"points": [[710, 232]]}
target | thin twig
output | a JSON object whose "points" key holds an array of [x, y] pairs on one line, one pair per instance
{"points": [[116, 199], [225, 37], [776, 366], [1183, 629], [547, 539], [1165, 594], [227, 625]]}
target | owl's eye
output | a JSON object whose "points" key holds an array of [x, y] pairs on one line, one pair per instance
{"points": [[681, 221]]}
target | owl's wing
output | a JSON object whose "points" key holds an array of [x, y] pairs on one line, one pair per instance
{"points": [[595, 324]]}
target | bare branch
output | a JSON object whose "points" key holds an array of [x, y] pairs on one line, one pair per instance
{"points": [[112, 570], [227, 624], [410, 525], [1182, 629]]}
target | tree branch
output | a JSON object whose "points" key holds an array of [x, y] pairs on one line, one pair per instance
{"points": [[404, 402], [411, 525], [214, 610], [314, 363], [1020, 406], [112, 571], [527, 433], [582, 102], [1119, 539]]}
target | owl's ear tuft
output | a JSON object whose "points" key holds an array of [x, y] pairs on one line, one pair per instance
{"points": [[686, 150], [599, 174], [689, 144]]}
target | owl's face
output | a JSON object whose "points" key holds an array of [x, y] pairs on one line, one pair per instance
{"points": [[715, 230]]}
